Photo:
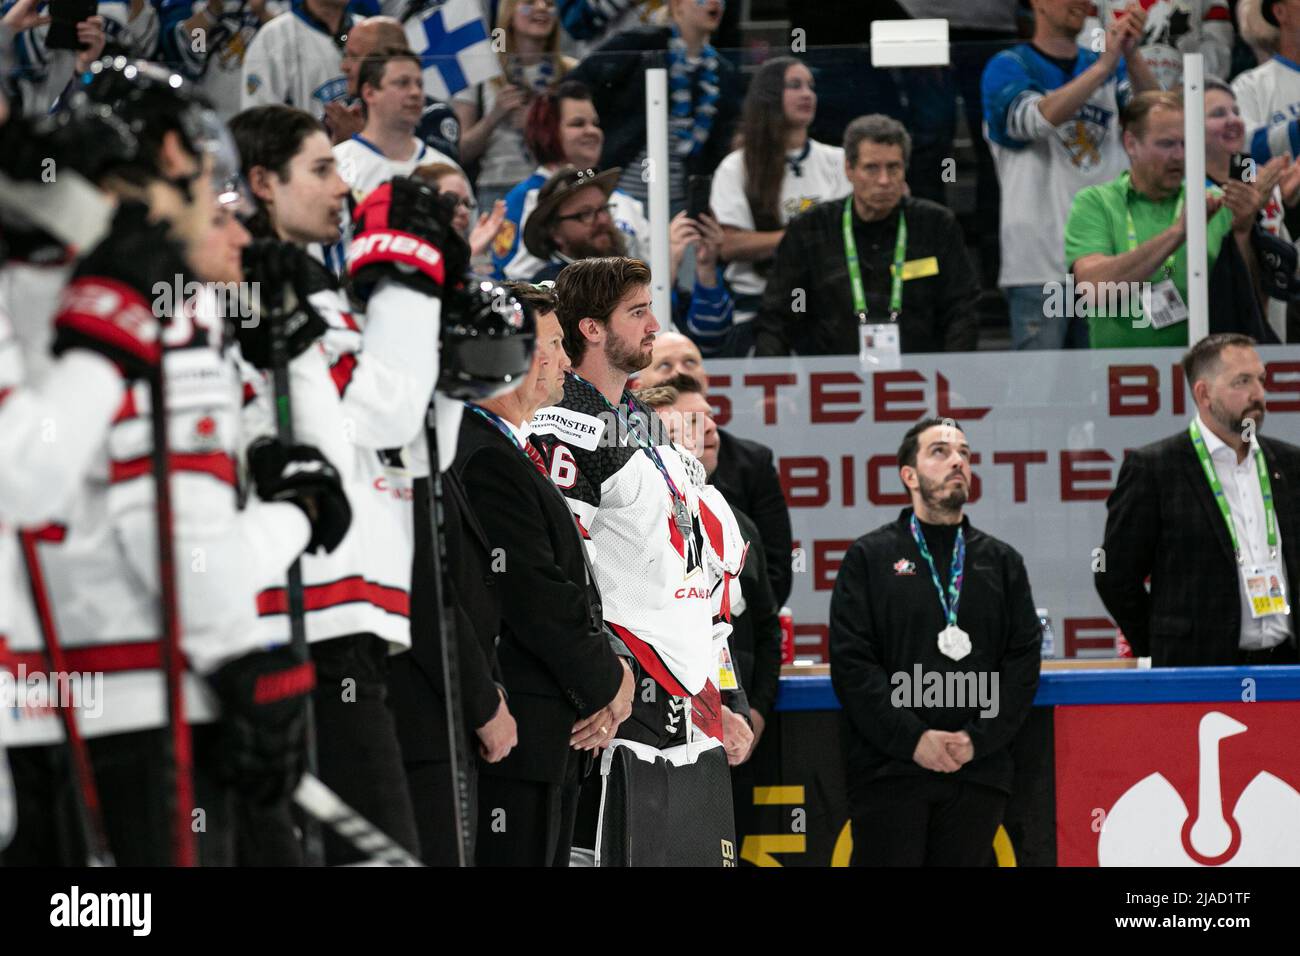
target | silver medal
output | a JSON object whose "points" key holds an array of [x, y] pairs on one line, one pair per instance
{"points": [[682, 517], [954, 643]]}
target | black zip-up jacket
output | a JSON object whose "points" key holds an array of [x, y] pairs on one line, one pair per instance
{"points": [[808, 303], [886, 618]]}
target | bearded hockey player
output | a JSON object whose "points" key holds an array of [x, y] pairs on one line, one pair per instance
{"points": [[94, 575], [381, 367], [664, 556]]}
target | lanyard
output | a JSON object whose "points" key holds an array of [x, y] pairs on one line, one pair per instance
{"points": [[528, 451], [855, 268], [1168, 268], [950, 598], [1265, 491], [645, 446]]}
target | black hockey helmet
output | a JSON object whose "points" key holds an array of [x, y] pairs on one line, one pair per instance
{"points": [[488, 338], [145, 100]]}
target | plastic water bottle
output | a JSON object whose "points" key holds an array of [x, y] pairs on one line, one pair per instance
{"points": [[1049, 636]]}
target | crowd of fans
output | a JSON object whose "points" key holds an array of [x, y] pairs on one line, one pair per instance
{"points": [[1052, 97]]}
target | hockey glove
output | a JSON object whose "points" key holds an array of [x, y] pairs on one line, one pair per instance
{"points": [[303, 476], [284, 277], [112, 304], [403, 230], [262, 744]]}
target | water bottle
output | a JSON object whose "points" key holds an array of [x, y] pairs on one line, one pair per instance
{"points": [[786, 617], [1048, 647]]}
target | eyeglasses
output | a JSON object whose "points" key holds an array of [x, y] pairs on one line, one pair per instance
{"points": [[587, 216], [464, 202]]}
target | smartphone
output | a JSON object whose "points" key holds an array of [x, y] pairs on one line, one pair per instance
{"points": [[1241, 168], [698, 189], [64, 17]]}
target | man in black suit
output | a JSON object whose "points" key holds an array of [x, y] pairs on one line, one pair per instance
{"points": [[415, 680], [745, 472], [569, 687], [1210, 553]]}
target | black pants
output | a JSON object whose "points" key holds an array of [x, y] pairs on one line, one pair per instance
{"points": [[1284, 653], [135, 783], [528, 822], [356, 741], [924, 821], [433, 796]]}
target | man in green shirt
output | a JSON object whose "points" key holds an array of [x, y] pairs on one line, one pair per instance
{"points": [[1126, 239]]}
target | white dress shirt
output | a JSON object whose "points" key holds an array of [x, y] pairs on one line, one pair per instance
{"points": [[1240, 483]]}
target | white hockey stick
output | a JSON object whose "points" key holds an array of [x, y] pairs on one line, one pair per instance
{"points": [[323, 804]]}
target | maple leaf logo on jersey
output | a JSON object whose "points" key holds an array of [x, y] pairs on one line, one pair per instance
{"points": [[904, 566]]}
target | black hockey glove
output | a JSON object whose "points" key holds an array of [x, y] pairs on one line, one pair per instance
{"points": [[304, 476], [285, 277], [262, 744]]}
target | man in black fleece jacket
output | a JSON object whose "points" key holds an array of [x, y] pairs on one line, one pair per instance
{"points": [[934, 645]]}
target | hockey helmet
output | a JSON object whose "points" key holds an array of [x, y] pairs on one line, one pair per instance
{"points": [[488, 338]]}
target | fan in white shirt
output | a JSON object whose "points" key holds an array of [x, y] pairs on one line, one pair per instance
{"points": [[777, 174]]}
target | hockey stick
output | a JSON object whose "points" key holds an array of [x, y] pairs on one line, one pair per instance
{"points": [[180, 752], [85, 798], [462, 812], [313, 845], [323, 805]]}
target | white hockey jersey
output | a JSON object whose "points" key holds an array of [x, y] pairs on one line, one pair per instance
{"points": [[363, 166], [294, 60], [95, 566], [660, 589], [1049, 163], [214, 60], [360, 397], [1269, 98], [1173, 27]]}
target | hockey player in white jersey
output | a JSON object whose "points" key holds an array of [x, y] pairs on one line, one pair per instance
{"points": [[296, 59], [664, 554], [383, 364], [94, 575], [1172, 28]]}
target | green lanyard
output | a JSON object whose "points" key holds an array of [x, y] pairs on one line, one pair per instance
{"points": [[1265, 491], [855, 269], [1168, 268]]}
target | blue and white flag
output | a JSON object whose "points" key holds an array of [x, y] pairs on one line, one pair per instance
{"points": [[454, 47]]}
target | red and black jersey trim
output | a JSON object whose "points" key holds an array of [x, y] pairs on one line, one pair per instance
{"points": [[349, 590], [650, 660], [218, 464], [99, 658]]}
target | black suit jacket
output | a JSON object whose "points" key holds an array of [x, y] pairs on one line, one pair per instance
{"points": [[415, 679], [756, 634], [1162, 521], [555, 655], [747, 478]]}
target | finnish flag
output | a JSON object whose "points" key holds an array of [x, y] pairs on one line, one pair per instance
{"points": [[454, 47]]}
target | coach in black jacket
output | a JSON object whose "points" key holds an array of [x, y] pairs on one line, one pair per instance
{"points": [[929, 773], [808, 304], [1163, 522], [568, 687]]}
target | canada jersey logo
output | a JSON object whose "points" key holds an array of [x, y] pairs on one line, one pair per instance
{"points": [[904, 566]]}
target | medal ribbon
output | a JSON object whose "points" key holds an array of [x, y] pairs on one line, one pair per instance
{"points": [[645, 446], [1265, 491], [855, 268], [1168, 268], [528, 451], [951, 597]]}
